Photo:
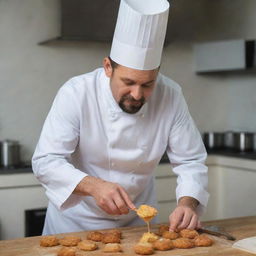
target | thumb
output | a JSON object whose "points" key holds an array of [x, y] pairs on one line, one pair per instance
{"points": [[175, 219]]}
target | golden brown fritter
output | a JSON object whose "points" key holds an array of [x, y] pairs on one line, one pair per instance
{"points": [[95, 236], [144, 248], [48, 241], [203, 240], [70, 241], [188, 233], [116, 232], [87, 245], [146, 212], [149, 237], [112, 247], [163, 228], [163, 244], [183, 243], [170, 235], [110, 238], [65, 251]]}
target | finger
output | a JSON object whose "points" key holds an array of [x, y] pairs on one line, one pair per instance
{"points": [[193, 222], [185, 221], [175, 219], [110, 207], [105, 209], [120, 203], [113, 207], [126, 198]]}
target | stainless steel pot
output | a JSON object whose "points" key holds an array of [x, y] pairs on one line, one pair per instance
{"points": [[10, 153], [213, 140], [229, 141], [243, 141], [254, 142]]}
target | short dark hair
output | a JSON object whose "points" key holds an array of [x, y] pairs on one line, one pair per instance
{"points": [[113, 63]]}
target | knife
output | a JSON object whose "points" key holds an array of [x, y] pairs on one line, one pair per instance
{"points": [[214, 230]]}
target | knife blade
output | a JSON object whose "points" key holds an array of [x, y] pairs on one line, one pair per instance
{"points": [[214, 230]]}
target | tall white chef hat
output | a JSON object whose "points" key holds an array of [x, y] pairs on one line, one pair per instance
{"points": [[139, 34]]}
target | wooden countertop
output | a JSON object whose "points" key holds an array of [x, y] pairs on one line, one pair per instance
{"points": [[239, 227]]}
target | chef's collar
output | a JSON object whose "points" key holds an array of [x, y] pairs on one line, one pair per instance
{"points": [[112, 104]]}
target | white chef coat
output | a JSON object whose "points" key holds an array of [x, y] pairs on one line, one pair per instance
{"points": [[87, 133]]}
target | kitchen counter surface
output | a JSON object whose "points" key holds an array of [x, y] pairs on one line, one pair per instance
{"points": [[232, 153], [233, 162], [222, 153], [15, 170], [239, 227], [18, 179]]}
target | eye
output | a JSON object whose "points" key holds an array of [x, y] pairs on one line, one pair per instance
{"points": [[149, 85], [129, 83]]}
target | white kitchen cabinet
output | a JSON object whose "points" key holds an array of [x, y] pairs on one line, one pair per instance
{"points": [[231, 186], [18, 192], [238, 189]]}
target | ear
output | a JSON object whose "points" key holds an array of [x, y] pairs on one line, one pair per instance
{"points": [[107, 67]]}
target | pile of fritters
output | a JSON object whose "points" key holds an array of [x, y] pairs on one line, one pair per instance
{"points": [[167, 240], [149, 242], [71, 245]]}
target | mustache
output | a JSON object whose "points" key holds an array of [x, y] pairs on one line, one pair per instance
{"points": [[130, 98]]}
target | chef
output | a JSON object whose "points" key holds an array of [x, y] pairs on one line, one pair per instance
{"points": [[108, 129]]}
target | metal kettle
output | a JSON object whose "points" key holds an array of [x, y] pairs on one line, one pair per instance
{"points": [[9, 153]]}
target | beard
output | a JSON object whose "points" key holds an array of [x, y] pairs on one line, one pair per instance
{"points": [[129, 105]]}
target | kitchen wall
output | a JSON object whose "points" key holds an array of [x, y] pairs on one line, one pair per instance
{"points": [[31, 74]]}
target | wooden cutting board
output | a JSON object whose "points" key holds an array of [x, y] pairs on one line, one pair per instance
{"points": [[238, 227]]}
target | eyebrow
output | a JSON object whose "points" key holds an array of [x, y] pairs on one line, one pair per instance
{"points": [[128, 80]]}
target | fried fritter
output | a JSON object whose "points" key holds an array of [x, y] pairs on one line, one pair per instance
{"points": [[70, 241], [146, 212], [163, 244], [170, 235], [112, 247], [110, 238], [163, 228], [148, 237], [116, 232], [48, 241], [203, 240], [144, 248], [188, 233], [65, 251], [183, 243], [95, 236], [87, 245]]}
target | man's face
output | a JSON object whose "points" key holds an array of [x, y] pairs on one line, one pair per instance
{"points": [[131, 88]]}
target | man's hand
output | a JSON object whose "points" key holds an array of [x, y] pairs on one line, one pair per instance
{"points": [[110, 197], [184, 215]]}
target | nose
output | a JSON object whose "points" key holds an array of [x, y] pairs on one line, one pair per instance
{"points": [[137, 92]]}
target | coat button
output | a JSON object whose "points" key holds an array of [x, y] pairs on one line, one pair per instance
{"points": [[113, 116]]}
